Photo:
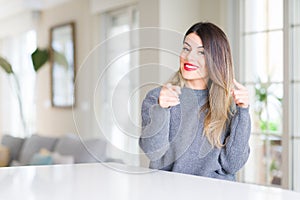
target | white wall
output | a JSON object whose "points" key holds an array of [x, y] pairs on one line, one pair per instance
{"points": [[59, 121]]}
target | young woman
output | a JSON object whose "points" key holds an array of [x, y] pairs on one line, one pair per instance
{"points": [[199, 122]]}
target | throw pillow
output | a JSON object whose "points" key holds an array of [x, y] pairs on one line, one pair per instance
{"points": [[4, 156], [39, 159], [33, 145], [14, 144], [57, 158]]}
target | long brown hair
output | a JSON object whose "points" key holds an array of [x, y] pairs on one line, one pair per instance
{"points": [[219, 64]]}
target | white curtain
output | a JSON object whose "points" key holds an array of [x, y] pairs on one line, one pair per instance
{"points": [[17, 50]]}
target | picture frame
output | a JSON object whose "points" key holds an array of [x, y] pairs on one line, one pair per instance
{"points": [[63, 65]]}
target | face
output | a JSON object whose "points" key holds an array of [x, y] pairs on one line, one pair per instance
{"points": [[192, 62]]}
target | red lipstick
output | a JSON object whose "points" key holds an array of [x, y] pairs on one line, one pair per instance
{"points": [[190, 67]]}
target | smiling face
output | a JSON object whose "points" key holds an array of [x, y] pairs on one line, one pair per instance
{"points": [[192, 62]]}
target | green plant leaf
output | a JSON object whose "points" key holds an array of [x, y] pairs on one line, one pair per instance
{"points": [[273, 166], [39, 58], [273, 126], [263, 125], [6, 66], [61, 59]]}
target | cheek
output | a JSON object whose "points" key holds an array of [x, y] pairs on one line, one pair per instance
{"points": [[182, 56], [202, 62], [205, 71], [182, 59]]}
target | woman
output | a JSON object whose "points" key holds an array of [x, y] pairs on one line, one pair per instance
{"points": [[199, 122]]}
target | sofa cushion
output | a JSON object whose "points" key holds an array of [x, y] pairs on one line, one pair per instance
{"points": [[83, 151], [33, 145], [60, 159], [4, 156], [14, 145]]}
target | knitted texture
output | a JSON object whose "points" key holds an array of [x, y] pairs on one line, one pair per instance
{"points": [[173, 138]]}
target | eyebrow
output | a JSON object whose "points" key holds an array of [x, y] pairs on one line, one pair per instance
{"points": [[191, 46]]}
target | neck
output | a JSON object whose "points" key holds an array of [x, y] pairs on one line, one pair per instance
{"points": [[197, 84]]}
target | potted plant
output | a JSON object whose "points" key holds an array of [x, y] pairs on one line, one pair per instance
{"points": [[6, 66], [39, 58]]}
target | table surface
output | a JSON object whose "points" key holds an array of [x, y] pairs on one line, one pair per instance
{"points": [[119, 182]]}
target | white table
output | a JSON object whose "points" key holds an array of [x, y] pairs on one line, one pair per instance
{"points": [[119, 182]]}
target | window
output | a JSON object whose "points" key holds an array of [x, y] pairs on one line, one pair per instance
{"points": [[270, 29], [119, 110], [17, 50], [262, 37]]}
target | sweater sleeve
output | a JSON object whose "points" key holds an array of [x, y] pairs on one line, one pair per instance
{"points": [[154, 140], [236, 151]]}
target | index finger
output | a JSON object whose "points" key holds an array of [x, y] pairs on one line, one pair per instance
{"points": [[238, 85], [173, 89]]}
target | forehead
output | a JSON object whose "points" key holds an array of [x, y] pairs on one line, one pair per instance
{"points": [[193, 39]]}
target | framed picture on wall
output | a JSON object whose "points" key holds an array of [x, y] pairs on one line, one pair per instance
{"points": [[62, 51]]}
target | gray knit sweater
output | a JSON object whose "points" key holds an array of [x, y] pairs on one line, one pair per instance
{"points": [[173, 138]]}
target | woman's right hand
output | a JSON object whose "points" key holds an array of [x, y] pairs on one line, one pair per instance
{"points": [[169, 95]]}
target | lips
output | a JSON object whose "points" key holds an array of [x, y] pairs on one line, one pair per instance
{"points": [[190, 67]]}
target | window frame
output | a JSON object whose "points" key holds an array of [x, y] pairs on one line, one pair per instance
{"points": [[287, 108]]}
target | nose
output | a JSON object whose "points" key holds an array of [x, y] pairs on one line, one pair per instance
{"points": [[191, 56]]}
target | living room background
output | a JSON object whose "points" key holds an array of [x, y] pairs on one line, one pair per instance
{"points": [[90, 18]]}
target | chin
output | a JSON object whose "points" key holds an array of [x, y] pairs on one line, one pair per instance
{"points": [[190, 76]]}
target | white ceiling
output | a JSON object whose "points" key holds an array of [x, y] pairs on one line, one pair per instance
{"points": [[11, 7]]}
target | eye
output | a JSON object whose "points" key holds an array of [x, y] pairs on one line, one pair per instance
{"points": [[185, 49], [201, 52]]}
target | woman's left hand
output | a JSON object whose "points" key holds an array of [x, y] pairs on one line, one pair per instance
{"points": [[240, 95]]}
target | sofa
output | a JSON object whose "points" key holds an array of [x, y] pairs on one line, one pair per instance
{"points": [[41, 150]]}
